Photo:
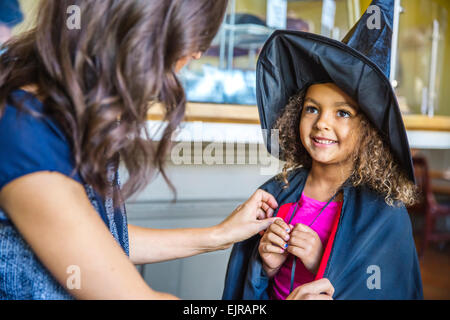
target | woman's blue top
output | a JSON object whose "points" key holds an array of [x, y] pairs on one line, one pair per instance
{"points": [[29, 144]]}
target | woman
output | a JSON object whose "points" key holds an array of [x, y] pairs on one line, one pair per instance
{"points": [[72, 103]]}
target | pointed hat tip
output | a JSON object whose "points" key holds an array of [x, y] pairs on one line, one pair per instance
{"points": [[372, 34]]}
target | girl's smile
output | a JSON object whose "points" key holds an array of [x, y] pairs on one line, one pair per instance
{"points": [[321, 142]]}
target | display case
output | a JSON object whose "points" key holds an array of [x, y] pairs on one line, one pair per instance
{"points": [[226, 72], [419, 65]]}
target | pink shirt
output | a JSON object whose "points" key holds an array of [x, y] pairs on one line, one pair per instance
{"points": [[307, 211]]}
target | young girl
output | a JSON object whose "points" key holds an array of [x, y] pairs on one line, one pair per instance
{"points": [[340, 145], [347, 176]]}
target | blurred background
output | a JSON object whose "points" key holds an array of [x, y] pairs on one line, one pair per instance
{"points": [[219, 157]]}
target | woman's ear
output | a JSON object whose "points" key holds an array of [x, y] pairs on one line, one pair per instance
{"points": [[197, 55]]}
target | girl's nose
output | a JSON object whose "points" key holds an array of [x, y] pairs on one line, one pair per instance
{"points": [[323, 122]]}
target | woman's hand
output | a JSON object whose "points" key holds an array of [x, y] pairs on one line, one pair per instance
{"points": [[272, 247], [305, 244], [321, 289], [249, 218]]}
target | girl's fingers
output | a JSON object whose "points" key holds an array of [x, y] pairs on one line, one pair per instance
{"points": [[276, 240], [304, 228], [270, 248], [280, 222], [297, 251], [279, 230], [301, 239]]}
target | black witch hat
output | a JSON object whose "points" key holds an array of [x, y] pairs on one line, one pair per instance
{"points": [[359, 65]]}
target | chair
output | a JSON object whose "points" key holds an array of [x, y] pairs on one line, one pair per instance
{"points": [[427, 205]]}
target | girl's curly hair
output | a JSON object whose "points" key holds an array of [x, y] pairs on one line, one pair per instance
{"points": [[374, 164]]}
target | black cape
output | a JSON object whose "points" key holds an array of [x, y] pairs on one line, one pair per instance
{"points": [[371, 237]]}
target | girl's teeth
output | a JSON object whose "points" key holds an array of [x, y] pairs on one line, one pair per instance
{"points": [[324, 141]]}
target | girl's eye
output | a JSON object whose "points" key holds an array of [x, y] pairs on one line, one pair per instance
{"points": [[310, 109], [344, 114]]}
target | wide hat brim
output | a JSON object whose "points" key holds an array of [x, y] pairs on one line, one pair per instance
{"points": [[291, 60]]}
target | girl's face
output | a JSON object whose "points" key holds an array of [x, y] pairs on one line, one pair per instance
{"points": [[329, 124]]}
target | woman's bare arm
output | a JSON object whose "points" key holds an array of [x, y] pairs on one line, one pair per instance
{"points": [[156, 245], [55, 217]]}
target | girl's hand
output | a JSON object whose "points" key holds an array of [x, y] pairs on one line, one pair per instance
{"points": [[272, 247], [321, 289], [306, 245]]}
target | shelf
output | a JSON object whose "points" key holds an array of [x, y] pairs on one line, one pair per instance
{"points": [[210, 112], [421, 122]]}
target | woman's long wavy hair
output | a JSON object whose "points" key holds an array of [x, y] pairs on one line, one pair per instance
{"points": [[373, 163], [120, 61]]}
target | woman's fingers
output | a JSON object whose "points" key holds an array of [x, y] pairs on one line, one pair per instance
{"points": [[263, 204], [267, 209], [249, 218], [265, 197], [321, 289], [260, 214]]}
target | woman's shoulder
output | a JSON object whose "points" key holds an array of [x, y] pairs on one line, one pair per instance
{"points": [[24, 112], [31, 141], [24, 122]]}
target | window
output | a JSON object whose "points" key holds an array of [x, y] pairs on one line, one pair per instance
{"points": [[226, 72]]}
